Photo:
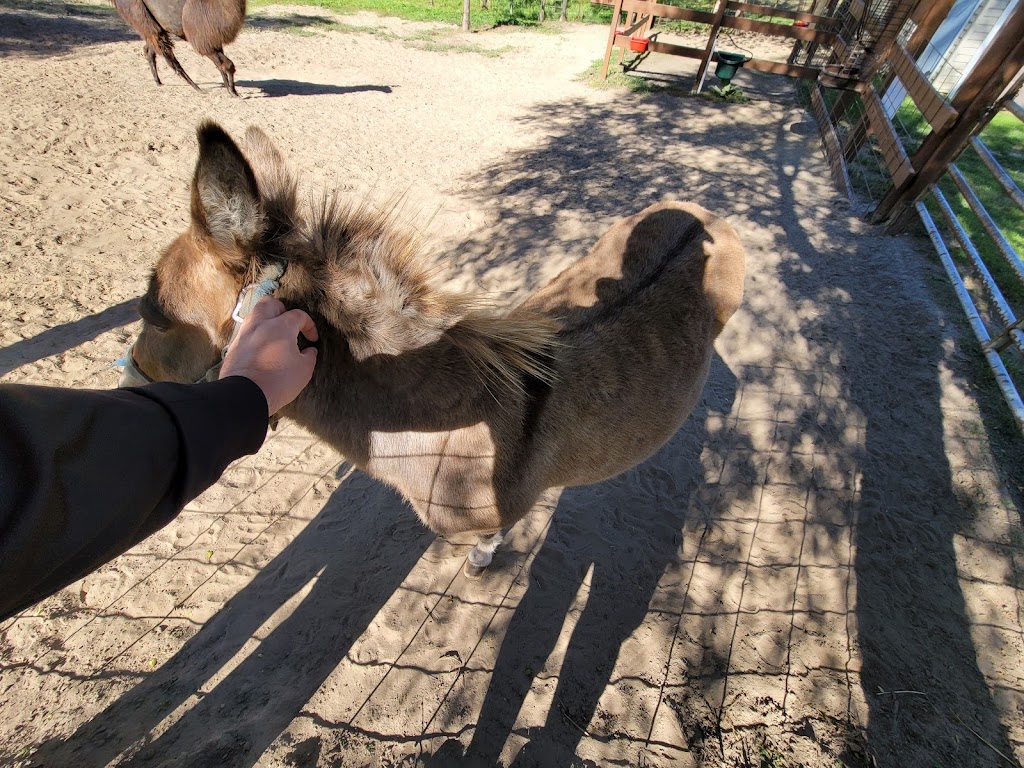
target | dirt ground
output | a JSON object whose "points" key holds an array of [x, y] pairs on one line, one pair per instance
{"points": [[824, 567]]}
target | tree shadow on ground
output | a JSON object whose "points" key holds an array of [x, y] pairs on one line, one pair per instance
{"points": [[838, 338], [886, 342], [880, 421], [59, 29], [854, 341]]}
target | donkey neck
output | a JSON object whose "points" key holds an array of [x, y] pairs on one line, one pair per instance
{"points": [[434, 389], [399, 356]]}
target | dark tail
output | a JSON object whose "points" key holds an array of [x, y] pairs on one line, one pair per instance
{"points": [[139, 18]]}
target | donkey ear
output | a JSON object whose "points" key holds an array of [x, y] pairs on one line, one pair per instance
{"points": [[259, 145], [278, 189], [225, 197]]}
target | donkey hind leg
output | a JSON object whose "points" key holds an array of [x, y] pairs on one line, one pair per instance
{"points": [[151, 58], [480, 556], [164, 44], [227, 70]]}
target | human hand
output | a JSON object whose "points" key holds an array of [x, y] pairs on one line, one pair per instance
{"points": [[266, 351]]}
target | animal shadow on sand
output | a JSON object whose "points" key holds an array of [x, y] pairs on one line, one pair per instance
{"points": [[291, 21], [275, 88], [354, 561], [624, 532]]}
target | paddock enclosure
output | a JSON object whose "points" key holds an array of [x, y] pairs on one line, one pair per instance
{"points": [[823, 567]]}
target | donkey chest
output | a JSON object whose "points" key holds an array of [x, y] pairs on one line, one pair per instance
{"points": [[447, 473]]}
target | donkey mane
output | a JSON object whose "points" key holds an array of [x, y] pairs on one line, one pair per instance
{"points": [[367, 276]]}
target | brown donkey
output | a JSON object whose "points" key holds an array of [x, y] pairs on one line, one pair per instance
{"points": [[208, 25], [468, 411]]}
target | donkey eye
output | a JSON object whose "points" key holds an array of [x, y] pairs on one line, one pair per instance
{"points": [[153, 315]]}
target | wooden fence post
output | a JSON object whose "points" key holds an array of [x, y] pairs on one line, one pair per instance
{"points": [[698, 81], [616, 14]]}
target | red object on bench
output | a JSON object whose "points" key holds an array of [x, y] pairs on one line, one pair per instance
{"points": [[638, 44]]}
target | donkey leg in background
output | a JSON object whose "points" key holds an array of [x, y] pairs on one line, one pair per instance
{"points": [[166, 48], [151, 58], [209, 25], [480, 556], [156, 39], [227, 70]]}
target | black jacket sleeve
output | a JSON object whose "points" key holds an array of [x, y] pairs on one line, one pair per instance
{"points": [[85, 475]]}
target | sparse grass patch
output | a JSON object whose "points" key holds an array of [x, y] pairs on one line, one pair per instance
{"points": [[434, 40], [730, 93], [617, 78], [450, 11], [359, 29], [309, 26], [436, 46]]}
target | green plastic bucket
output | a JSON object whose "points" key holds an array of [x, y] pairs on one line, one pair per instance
{"points": [[728, 63]]}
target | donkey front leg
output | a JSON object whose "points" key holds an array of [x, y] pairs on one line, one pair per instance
{"points": [[480, 556], [227, 70]]}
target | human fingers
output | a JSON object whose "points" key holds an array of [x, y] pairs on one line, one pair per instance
{"points": [[300, 322], [266, 308]]}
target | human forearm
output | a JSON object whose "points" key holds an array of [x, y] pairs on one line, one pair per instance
{"points": [[85, 475]]}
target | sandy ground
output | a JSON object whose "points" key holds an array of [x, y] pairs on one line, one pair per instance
{"points": [[824, 566]]}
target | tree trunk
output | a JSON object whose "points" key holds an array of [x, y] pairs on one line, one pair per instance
{"points": [[483, 5], [465, 15], [540, 14], [565, 11]]}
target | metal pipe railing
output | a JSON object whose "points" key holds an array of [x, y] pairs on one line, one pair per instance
{"points": [[997, 170], [1003, 380], [1002, 307], [1015, 109], [991, 228]]}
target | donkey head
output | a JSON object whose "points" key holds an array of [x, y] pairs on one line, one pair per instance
{"points": [[348, 266], [186, 312]]}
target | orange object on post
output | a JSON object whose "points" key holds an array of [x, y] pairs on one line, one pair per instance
{"points": [[638, 44]]}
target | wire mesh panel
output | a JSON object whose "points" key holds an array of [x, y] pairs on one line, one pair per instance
{"points": [[868, 28]]}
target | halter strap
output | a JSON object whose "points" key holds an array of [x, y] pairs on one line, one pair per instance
{"points": [[269, 282]]}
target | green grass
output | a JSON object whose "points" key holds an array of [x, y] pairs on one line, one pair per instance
{"points": [[1004, 137], [450, 11], [425, 40], [910, 126]]}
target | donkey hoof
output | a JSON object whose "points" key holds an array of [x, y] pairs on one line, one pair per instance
{"points": [[473, 572]]}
